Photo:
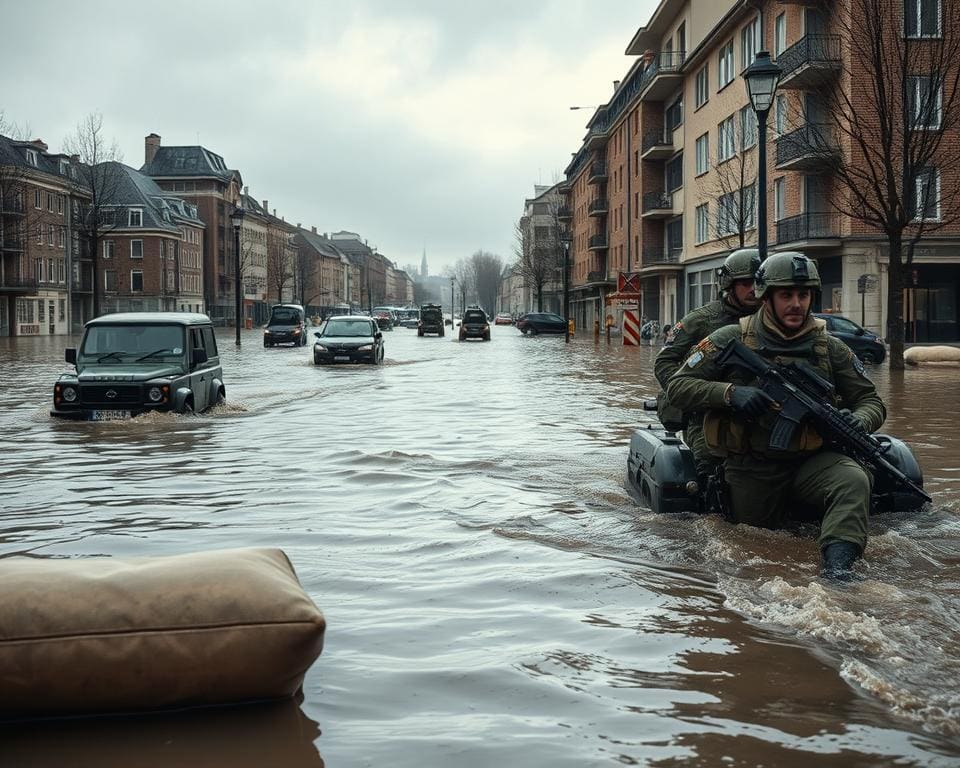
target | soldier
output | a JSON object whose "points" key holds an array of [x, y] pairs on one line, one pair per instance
{"points": [[766, 486], [736, 300]]}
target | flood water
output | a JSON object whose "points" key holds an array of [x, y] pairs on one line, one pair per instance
{"points": [[493, 593]]}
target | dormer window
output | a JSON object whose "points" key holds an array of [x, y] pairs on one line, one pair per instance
{"points": [[32, 158], [135, 217], [64, 167]]}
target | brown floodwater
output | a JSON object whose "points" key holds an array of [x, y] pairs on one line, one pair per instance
{"points": [[494, 595]]}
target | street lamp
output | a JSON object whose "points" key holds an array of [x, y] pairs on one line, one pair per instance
{"points": [[565, 239], [762, 77], [452, 281], [236, 218]]}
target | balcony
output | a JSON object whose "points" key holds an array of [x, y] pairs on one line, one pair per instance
{"points": [[597, 242], [11, 208], [598, 172], [811, 147], [656, 259], [11, 245], [564, 213], [655, 146], [599, 274], [84, 285], [598, 207], [809, 61], [809, 231], [657, 205], [564, 187], [597, 137], [13, 284], [662, 76]]}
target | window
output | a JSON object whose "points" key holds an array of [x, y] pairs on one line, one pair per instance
{"points": [[779, 198], [25, 310], [135, 217], [703, 153], [136, 281], [926, 101], [136, 249], [108, 249], [38, 269], [41, 317], [780, 113], [927, 204], [921, 18], [749, 43], [39, 234], [673, 176], [780, 34], [63, 310], [37, 201], [675, 238], [725, 65], [61, 237], [748, 198], [64, 167], [727, 214], [109, 280], [674, 114], [60, 204], [32, 157], [726, 142], [748, 127], [702, 87], [50, 234], [61, 272], [702, 223], [50, 201]]}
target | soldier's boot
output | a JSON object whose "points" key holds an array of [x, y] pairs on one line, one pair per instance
{"points": [[837, 559]]}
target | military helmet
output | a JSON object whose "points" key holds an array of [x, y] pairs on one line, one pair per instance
{"points": [[742, 264], [790, 268]]}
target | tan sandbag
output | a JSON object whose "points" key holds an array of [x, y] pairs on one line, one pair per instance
{"points": [[937, 354], [117, 634]]}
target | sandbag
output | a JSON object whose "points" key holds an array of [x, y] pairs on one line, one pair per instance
{"points": [[936, 354], [97, 635]]}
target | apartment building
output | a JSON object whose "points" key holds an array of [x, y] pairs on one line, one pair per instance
{"points": [[254, 235], [150, 256], [665, 182], [201, 178], [540, 264], [282, 259], [371, 288], [328, 275]]}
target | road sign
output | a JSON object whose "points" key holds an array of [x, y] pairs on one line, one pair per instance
{"points": [[628, 282]]}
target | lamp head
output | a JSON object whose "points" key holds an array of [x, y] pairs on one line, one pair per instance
{"points": [[762, 78], [236, 218]]}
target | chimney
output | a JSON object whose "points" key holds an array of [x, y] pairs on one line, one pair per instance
{"points": [[313, 229], [150, 146], [298, 225], [74, 158], [266, 208], [39, 144], [616, 84], [246, 191]]}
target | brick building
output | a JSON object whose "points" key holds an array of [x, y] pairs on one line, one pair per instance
{"points": [[664, 183]]}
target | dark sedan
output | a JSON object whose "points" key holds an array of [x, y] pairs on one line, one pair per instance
{"points": [[867, 345], [533, 323], [348, 339], [474, 325]]}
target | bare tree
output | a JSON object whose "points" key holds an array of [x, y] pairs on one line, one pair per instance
{"points": [[487, 269], [463, 271], [281, 266], [539, 260], [97, 183], [732, 184], [887, 130]]}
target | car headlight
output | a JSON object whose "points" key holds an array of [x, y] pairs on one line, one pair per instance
{"points": [[319, 348], [296, 331], [365, 348], [155, 394], [267, 331], [69, 394]]}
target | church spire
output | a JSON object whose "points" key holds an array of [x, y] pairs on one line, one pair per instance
{"points": [[423, 264]]}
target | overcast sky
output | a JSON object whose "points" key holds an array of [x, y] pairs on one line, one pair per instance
{"points": [[417, 124]]}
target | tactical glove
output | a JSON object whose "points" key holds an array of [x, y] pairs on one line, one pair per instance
{"points": [[752, 401], [852, 420]]}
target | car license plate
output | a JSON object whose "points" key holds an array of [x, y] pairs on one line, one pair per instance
{"points": [[109, 415], [341, 358]]}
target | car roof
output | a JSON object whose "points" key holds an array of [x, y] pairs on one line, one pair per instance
{"points": [[289, 306], [350, 317], [141, 318]]}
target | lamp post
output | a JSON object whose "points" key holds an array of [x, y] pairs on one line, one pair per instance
{"points": [[452, 281], [565, 241], [236, 218], [762, 77]]}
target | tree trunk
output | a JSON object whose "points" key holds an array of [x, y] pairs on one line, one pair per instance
{"points": [[95, 272], [539, 298], [895, 284]]}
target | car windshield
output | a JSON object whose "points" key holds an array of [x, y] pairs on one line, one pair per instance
{"points": [[284, 316], [474, 317], [127, 343], [845, 326], [554, 318], [347, 328]]}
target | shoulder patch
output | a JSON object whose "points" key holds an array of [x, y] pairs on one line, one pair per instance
{"points": [[706, 346], [857, 365], [695, 359], [673, 332]]}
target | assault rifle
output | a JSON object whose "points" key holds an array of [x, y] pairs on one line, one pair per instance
{"points": [[801, 393]]}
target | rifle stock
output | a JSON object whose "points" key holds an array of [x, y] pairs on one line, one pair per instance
{"points": [[801, 394]]}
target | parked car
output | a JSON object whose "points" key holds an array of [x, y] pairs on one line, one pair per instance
{"points": [[287, 325], [133, 362], [348, 339], [390, 311], [383, 319], [503, 318], [533, 323], [474, 325], [867, 345], [411, 318], [431, 320]]}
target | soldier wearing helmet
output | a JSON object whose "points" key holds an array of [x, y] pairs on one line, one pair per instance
{"points": [[736, 300], [766, 487]]}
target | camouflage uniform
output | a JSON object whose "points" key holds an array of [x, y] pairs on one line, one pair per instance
{"points": [[692, 329], [766, 486]]}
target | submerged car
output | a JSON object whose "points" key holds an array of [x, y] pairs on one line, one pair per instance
{"points": [[288, 325], [533, 323], [131, 363], [867, 345], [474, 325], [348, 339], [431, 320]]}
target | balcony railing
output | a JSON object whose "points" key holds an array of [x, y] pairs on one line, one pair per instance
{"points": [[655, 139], [597, 241], [564, 213], [11, 244], [598, 171], [18, 283], [663, 63], [807, 147], [657, 254], [822, 51], [598, 207], [657, 201], [807, 226]]}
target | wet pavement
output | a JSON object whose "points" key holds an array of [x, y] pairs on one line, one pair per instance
{"points": [[494, 595]]}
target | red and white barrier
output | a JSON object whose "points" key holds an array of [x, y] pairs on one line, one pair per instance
{"points": [[631, 328]]}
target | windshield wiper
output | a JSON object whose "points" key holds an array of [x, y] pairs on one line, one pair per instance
{"points": [[115, 355], [161, 351]]}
